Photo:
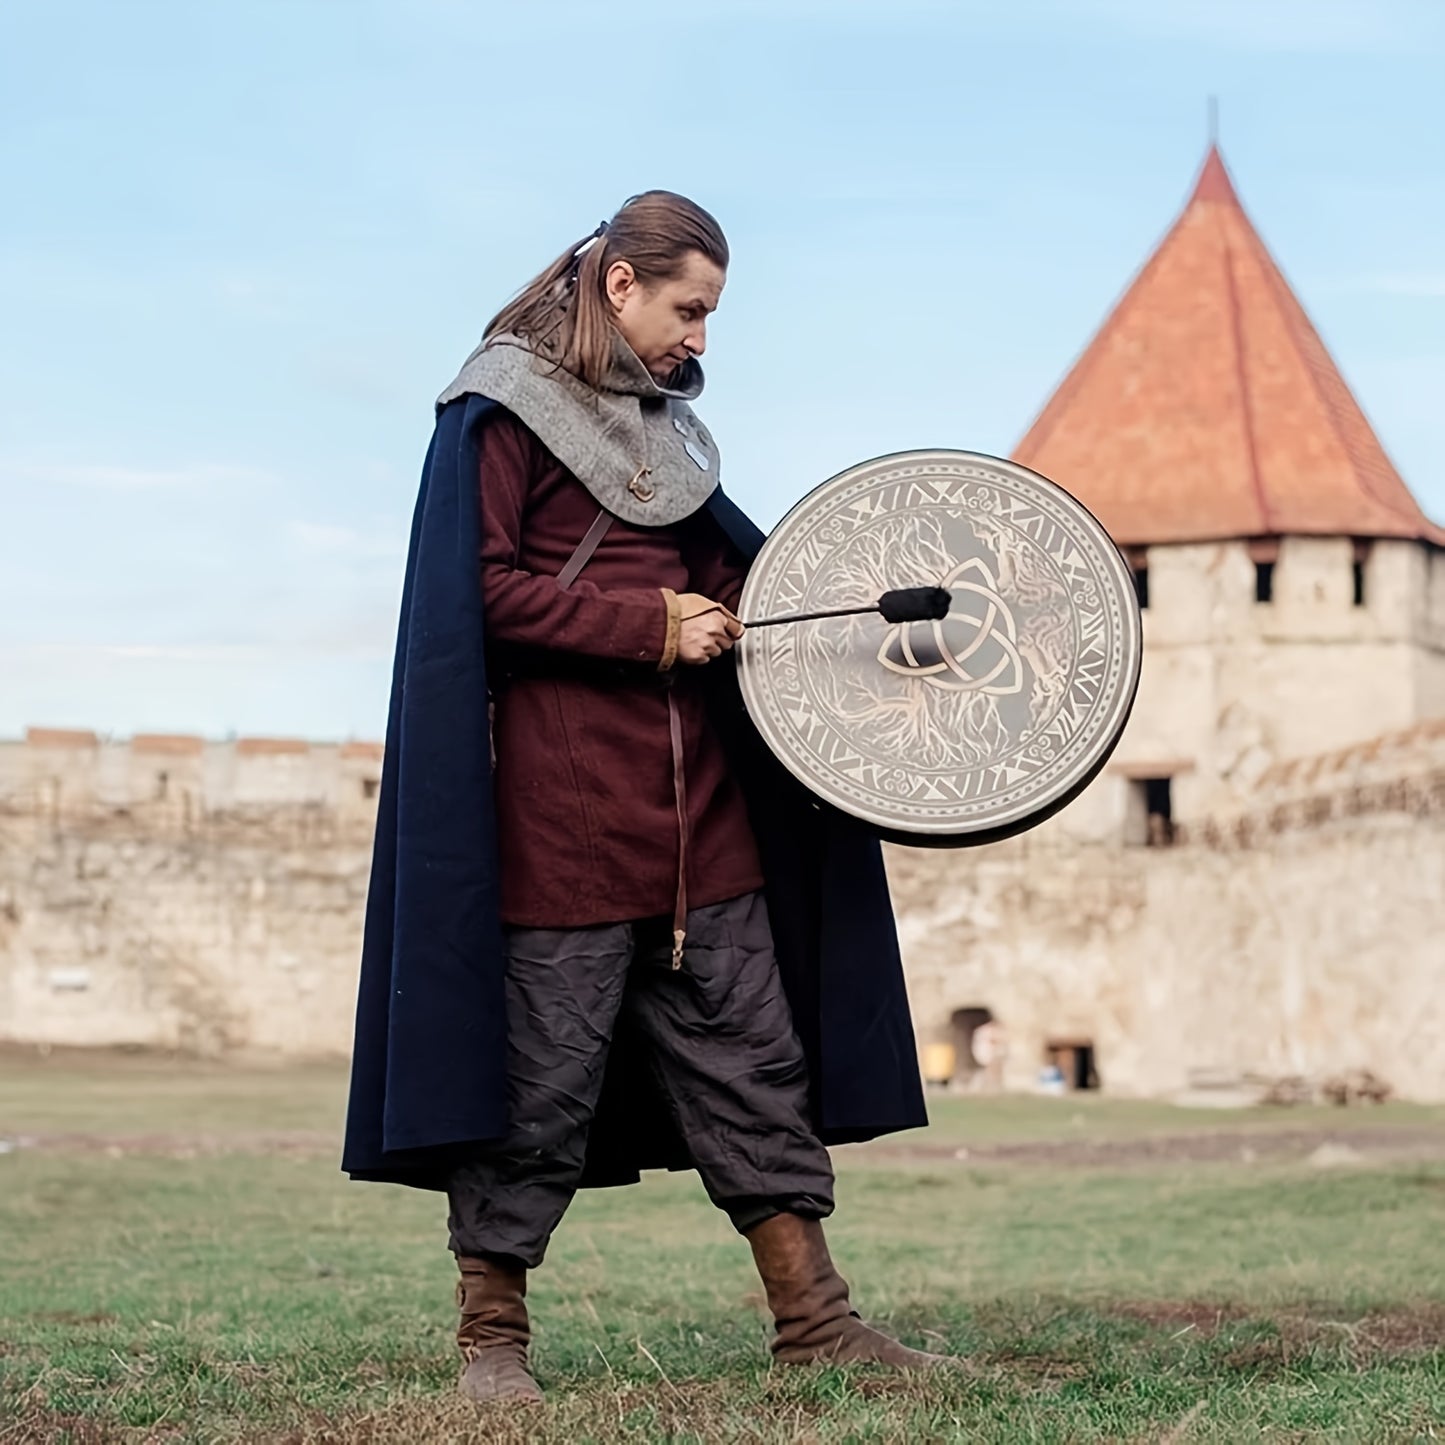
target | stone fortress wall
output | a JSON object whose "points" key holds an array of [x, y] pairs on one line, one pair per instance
{"points": [[1254, 889], [174, 892], [1300, 935], [178, 893]]}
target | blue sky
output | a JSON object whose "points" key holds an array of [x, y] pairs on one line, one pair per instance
{"points": [[243, 245]]}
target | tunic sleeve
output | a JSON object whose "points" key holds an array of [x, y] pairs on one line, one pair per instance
{"points": [[520, 607]]}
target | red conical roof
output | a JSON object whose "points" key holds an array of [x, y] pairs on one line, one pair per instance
{"points": [[1207, 406]]}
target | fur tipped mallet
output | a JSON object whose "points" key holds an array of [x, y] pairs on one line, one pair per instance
{"points": [[904, 604]]}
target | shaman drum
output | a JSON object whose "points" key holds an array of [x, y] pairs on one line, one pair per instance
{"points": [[958, 731]]}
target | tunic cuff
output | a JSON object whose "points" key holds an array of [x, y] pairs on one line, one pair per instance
{"points": [[674, 630]]}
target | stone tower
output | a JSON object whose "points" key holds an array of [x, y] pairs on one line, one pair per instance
{"points": [[1294, 591], [1288, 743]]}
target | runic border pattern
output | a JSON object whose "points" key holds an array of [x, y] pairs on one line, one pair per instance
{"points": [[1025, 779]]}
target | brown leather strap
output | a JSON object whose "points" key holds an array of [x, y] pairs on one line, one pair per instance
{"points": [[585, 548], [679, 789], [565, 578]]}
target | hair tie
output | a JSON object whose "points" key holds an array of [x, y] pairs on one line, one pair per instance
{"points": [[587, 245]]}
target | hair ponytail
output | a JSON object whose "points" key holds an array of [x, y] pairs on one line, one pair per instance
{"points": [[563, 312]]}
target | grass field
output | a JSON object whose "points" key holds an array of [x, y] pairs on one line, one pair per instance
{"points": [[180, 1260]]}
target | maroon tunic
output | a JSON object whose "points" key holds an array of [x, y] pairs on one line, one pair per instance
{"points": [[586, 811]]}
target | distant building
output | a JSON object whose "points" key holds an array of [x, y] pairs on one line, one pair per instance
{"points": [[1289, 738]]}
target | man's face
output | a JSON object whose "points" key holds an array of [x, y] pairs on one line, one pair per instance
{"points": [[665, 322]]}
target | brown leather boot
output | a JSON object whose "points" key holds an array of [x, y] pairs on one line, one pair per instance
{"points": [[493, 1333], [809, 1301]]}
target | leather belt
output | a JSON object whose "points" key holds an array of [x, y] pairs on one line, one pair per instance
{"points": [[565, 578]]}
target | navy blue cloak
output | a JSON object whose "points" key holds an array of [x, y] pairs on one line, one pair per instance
{"points": [[428, 1081]]}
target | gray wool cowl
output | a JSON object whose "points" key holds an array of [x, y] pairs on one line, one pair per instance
{"points": [[637, 446]]}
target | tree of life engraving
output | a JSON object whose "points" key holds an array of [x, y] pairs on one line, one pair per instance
{"points": [[959, 694]]}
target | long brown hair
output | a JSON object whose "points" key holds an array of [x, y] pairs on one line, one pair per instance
{"points": [[563, 312]]}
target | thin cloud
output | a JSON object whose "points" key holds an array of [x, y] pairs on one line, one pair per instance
{"points": [[79, 652], [252, 295], [362, 376], [333, 644], [1407, 283], [106, 477], [1280, 26], [1268, 26], [336, 539]]}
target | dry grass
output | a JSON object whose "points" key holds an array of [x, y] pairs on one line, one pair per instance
{"points": [[153, 1289]]}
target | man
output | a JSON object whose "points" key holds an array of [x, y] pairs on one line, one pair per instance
{"points": [[617, 936]]}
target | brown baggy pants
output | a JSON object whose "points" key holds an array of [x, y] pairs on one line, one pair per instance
{"points": [[723, 1052]]}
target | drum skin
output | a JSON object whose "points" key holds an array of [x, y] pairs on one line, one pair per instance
{"points": [[962, 731]]}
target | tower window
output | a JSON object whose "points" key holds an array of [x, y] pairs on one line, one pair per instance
{"points": [[1362, 553], [1264, 553], [1158, 802], [1264, 581], [1150, 819], [1141, 586], [1138, 560]]}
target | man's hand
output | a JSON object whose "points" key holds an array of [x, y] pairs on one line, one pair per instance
{"points": [[708, 629]]}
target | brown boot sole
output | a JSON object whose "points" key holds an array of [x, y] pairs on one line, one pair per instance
{"points": [[498, 1375], [862, 1345]]}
